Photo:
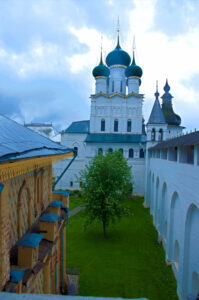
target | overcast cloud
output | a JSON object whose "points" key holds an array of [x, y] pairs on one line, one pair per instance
{"points": [[48, 49]]}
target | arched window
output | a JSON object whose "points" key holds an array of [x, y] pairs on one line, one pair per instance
{"points": [[102, 125], [116, 125], [100, 150], [121, 150], [121, 86], [141, 153], [153, 134], [76, 150], [131, 153], [160, 135], [129, 126], [110, 150], [112, 86]]}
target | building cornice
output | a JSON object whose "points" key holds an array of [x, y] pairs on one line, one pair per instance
{"points": [[116, 94]]}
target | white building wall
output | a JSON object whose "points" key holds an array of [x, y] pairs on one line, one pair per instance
{"points": [[116, 107], [179, 215]]}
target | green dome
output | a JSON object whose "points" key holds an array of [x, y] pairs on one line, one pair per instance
{"points": [[101, 70], [133, 70], [118, 57]]}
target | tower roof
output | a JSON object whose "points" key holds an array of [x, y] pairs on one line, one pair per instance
{"points": [[167, 108], [156, 116], [133, 69], [118, 56]]}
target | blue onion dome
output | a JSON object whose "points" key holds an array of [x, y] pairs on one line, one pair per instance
{"points": [[133, 70], [101, 70], [118, 57]]}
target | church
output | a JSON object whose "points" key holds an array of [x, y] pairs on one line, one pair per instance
{"points": [[116, 120], [164, 161]]}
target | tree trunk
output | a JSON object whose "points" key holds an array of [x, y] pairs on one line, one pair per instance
{"points": [[104, 228]]}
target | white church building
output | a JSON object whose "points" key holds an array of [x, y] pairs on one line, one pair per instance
{"points": [[165, 163]]}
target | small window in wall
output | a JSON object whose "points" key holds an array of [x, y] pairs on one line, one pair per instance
{"points": [[112, 86], [110, 150], [76, 150], [153, 134], [131, 153], [102, 125], [100, 150], [141, 153], [71, 183], [129, 126], [160, 135], [121, 150], [121, 86], [115, 125]]}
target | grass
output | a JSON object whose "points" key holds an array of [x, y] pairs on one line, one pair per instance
{"points": [[129, 263]]}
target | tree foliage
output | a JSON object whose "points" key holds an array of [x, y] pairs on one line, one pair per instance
{"points": [[105, 181]]}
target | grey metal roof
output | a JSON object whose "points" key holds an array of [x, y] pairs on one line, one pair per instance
{"points": [[78, 127], [156, 116], [17, 141], [115, 138], [184, 140]]}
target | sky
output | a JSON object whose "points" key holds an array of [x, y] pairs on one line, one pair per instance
{"points": [[48, 49]]}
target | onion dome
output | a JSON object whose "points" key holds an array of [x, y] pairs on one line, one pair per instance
{"points": [[133, 70], [118, 56], [101, 69], [170, 116]]}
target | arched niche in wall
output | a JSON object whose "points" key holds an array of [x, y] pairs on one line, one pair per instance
{"points": [[156, 208], [163, 213], [191, 250], [172, 226], [24, 209]]}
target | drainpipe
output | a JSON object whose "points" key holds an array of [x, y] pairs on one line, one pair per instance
{"points": [[64, 171], [62, 258]]}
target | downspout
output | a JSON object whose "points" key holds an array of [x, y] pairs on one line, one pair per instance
{"points": [[64, 171]]}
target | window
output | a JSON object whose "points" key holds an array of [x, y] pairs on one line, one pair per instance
{"points": [[100, 150], [102, 125], [160, 135], [141, 153], [76, 150], [121, 150], [131, 153], [121, 86], [110, 150], [115, 125], [153, 134], [112, 86], [71, 183], [129, 126]]}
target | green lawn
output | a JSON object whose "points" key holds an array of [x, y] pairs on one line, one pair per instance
{"points": [[74, 201], [129, 263]]}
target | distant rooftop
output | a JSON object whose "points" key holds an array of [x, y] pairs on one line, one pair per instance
{"points": [[78, 127], [38, 124]]}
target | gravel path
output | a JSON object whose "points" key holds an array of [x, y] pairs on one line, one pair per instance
{"points": [[76, 210]]}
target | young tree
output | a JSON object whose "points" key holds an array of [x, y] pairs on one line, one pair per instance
{"points": [[105, 181]]}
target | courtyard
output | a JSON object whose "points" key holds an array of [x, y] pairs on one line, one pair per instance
{"points": [[128, 263]]}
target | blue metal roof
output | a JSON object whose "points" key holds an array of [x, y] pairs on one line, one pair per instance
{"points": [[17, 141], [115, 138], [49, 217], [78, 127], [30, 240], [16, 275], [56, 204]]}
